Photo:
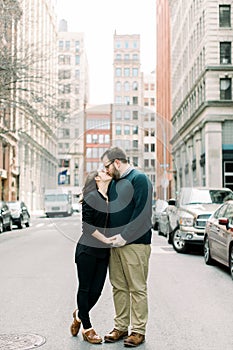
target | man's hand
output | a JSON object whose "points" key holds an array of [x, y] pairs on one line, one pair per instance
{"points": [[118, 241]]}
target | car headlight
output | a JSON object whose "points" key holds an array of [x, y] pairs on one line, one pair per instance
{"points": [[186, 221]]}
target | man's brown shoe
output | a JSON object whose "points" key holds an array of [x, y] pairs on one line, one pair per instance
{"points": [[115, 335], [134, 339]]}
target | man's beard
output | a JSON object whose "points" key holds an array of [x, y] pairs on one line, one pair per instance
{"points": [[116, 174]]}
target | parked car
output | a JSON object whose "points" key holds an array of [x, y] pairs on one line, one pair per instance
{"points": [[218, 239], [76, 207], [157, 209], [5, 217], [193, 208], [19, 213], [164, 227]]}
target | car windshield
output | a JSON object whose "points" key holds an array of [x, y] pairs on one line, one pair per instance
{"points": [[56, 197], [13, 205], [160, 205], [204, 196]]}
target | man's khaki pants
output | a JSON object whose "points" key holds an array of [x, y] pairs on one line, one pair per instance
{"points": [[128, 271]]}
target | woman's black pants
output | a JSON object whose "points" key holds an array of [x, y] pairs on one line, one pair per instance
{"points": [[92, 273]]}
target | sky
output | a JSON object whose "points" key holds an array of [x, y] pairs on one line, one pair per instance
{"points": [[100, 19]]}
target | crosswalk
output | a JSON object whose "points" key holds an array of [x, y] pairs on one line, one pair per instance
{"points": [[156, 248]]}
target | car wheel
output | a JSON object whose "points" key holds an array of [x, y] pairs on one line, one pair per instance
{"points": [[9, 227], [170, 234], [1, 226], [178, 243], [231, 261], [20, 223], [160, 233], [207, 255]]}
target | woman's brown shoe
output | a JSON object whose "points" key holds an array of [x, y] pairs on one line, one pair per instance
{"points": [[91, 336], [74, 328]]}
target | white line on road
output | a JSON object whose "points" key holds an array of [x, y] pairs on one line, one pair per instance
{"points": [[162, 250]]}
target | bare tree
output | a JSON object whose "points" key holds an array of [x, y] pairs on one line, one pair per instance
{"points": [[24, 85]]}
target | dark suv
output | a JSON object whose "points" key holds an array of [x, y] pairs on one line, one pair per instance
{"points": [[5, 217]]}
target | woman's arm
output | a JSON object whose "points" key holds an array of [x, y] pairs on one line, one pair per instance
{"points": [[98, 235]]}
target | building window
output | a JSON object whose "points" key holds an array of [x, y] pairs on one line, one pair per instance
{"points": [[67, 45], [135, 100], [77, 73], [127, 115], [126, 44], [224, 15], [135, 115], [118, 114], [64, 89], [135, 72], [61, 59], [126, 72], [118, 44], [77, 45], [126, 57], [225, 52], [126, 130], [64, 74], [127, 100], [77, 59], [126, 85], [64, 163], [135, 130], [146, 163], [66, 133], [118, 56], [135, 161], [118, 100], [76, 89], [135, 56], [135, 143], [118, 72], [118, 86], [135, 85], [146, 147], [118, 129], [225, 89]]}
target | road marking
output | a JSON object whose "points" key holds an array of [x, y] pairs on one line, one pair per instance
{"points": [[162, 249]]}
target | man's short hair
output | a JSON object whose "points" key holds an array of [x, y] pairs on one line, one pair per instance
{"points": [[115, 153]]}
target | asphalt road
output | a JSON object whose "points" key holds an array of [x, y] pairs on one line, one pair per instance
{"points": [[190, 304]]}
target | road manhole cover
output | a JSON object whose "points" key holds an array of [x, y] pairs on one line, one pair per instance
{"points": [[20, 341]]}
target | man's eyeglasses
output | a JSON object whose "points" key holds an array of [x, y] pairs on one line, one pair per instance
{"points": [[108, 165]]}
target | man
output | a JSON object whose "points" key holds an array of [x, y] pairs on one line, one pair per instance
{"points": [[130, 195]]}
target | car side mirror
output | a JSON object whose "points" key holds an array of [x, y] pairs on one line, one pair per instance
{"points": [[172, 202]]}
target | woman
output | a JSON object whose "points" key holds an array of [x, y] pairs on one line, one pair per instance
{"points": [[92, 252]]}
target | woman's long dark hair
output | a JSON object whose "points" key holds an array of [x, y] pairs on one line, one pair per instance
{"points": [[90, 183]]}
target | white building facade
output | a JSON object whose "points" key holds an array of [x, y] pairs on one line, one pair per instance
{"points": [[36, 97], [202, 106], [73, 96]]}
